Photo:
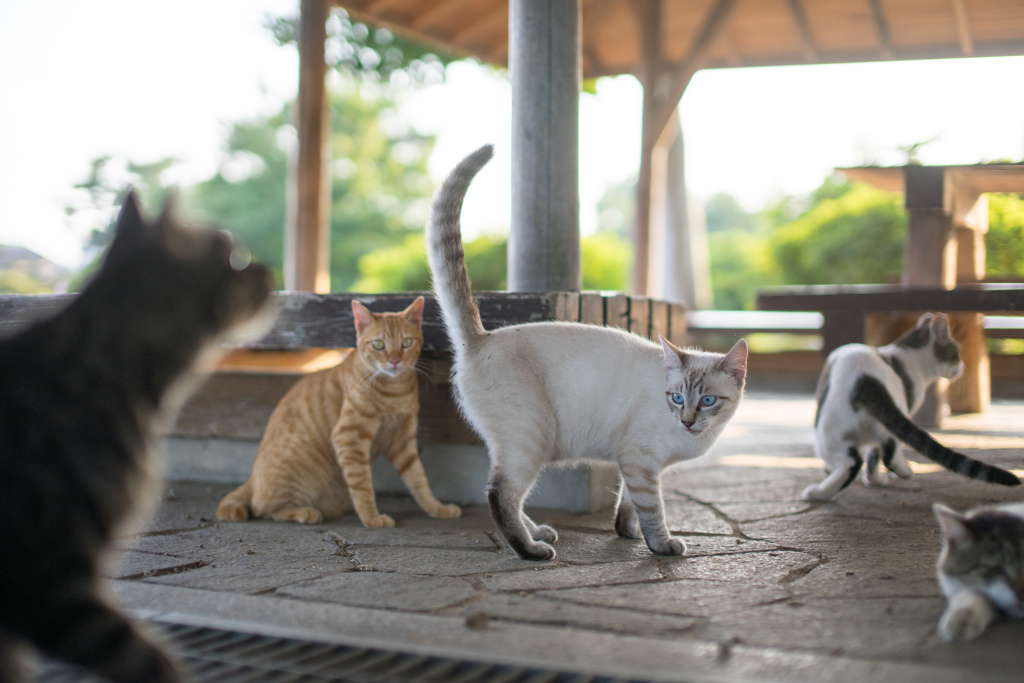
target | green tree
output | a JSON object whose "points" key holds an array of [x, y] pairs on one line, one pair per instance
{"points": [[1004, 242], [724, 213], [852, 234]]}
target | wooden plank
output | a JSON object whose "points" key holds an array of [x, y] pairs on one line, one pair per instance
{"points": [[677, 332], [640, 315], [616, 311], [592, 308], [991, 298], [18, 311], [659, 319], [233, 405], [567, 307]]}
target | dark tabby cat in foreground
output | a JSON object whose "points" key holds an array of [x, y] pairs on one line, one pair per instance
{"points": [[981, 568], [81, 398], [864, 397]]}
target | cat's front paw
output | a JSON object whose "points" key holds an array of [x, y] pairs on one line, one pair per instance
{"points": [[380, 521], [446, 512], [670, 546], [962, 624]]}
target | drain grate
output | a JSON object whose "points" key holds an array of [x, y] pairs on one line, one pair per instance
{"points": [[223, 656]]}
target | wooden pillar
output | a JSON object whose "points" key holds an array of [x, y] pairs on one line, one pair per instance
{"points": [[972, 391], [664, 85], [307, 235], [929, 250], [545, 67], [679, 265]]}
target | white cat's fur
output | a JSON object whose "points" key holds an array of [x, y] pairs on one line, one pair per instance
{"points": [[558, 393], [864, 397]]}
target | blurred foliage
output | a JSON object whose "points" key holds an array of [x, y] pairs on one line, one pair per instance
{"points": [[1004, 242], [380, 189], [607, 260], [724, 213], [852, 233], [17, 282], [616, 209], [368, 52]]}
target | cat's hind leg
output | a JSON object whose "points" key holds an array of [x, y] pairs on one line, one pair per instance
{"points": [[842, 474], [894, 461], [302, 515], [872, 474], [506, 491], [627, 524]]}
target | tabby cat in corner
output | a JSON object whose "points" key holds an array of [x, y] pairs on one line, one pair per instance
{"points": [[980, 568], [82, 397], [559, 393], [313, 463], [864, 397]]}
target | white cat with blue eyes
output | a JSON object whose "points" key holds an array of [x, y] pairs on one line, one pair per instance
{"points": [[544, 394]]}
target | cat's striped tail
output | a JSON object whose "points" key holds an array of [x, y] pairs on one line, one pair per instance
{"points": [[446, 256], [869, 393]]}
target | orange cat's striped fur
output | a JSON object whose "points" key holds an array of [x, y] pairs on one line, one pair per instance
{"points": [[314, 460]]}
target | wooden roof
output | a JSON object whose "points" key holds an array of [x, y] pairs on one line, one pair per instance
{"points": [[756, 32]]}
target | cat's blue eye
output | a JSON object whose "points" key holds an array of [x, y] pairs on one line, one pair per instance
{"points": [[708, 401], [378, 344], [407, 342], [677, 398]]}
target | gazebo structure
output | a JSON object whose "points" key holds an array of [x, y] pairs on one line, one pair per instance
{"points": [[549, 45]]}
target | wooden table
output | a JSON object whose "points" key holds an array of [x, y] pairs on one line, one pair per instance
{"points": [[846, 310]]}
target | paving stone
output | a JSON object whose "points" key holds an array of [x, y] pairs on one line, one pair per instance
{"points": [[255, 573], [864, 627], [384, 591], [692, 598], [545, 609], [605, 574], [130, 564], [438, 562]]}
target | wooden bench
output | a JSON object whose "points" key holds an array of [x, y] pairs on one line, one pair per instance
{"points": [[216, 434], [847, 311]]}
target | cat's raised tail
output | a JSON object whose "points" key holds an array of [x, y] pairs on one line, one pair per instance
{"points": [[870, 394], [446, 257]]}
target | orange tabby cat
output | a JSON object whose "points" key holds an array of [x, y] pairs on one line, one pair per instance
{"points": [[314, 460]]}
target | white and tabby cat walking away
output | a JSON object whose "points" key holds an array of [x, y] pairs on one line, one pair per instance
{"points": [[864, 397], [559, 393], [81, 397], [980, 568]]}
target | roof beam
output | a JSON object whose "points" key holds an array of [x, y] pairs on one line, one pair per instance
{"points": [[882, 27], [439, 10], [807, 46], [483, 26], [963, 28]]}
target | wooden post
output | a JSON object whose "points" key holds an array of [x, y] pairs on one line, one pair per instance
{"points": [[972, 391], [307, 234], [546, 71], [929, 250]]}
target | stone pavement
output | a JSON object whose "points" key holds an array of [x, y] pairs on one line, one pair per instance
{"points": [[771, 587]]}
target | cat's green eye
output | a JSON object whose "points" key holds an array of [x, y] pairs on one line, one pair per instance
{"points": [[378, 344], [407, 342]]}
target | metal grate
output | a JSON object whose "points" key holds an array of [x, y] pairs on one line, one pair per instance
{"points": [[223, 656]]}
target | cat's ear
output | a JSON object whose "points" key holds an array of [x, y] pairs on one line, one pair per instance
{"points": [[414, 313], [952, 524], [940, 327], [735, 362], [675, 357], [130, 229], [361, 315]]}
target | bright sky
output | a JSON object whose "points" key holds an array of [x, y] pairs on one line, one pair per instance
{"points": [[148, 80]]}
